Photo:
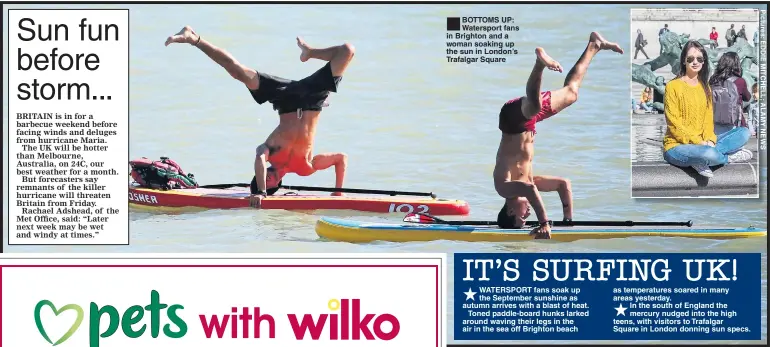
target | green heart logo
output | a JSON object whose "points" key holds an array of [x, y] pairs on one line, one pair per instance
{"points": [[72, 328]]}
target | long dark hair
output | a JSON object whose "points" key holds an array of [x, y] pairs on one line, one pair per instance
{"points": [[729, 65], [703, 74]]}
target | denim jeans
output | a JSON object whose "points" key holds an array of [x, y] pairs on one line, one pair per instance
{"points": [[646, 106], [721, 129], [727, 143]]}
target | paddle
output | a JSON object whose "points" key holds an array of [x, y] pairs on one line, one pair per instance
{"points": [[424, 218], [358, 191], [322, 189]]}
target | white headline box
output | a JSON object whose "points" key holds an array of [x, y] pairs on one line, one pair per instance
{"points": [[68, 127], [288, 300]]}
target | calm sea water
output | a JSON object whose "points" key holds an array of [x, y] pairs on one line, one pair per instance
{"points": [[408, 120]]}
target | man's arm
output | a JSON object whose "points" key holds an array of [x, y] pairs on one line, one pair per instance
{"points": [[513, 189], [260, 167], [560, 185], [327, 160]]}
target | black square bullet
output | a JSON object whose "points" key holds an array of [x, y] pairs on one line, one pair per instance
{"points": [[453, 23]]}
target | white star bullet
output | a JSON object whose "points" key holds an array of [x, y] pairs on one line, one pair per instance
{"points": [[469, 295], [621, 310]]}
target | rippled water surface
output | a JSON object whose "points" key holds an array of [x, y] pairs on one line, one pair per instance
{"points": [[407, 119]]}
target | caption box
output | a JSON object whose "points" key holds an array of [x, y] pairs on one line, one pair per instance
{"points": [[641, 296], [485, 40], [68, 127], [291, 300]]}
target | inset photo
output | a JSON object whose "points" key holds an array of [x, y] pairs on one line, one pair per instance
{"points": [[695, 103]]}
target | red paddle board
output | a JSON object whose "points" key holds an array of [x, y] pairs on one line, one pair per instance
{"points": [[238, 197]]}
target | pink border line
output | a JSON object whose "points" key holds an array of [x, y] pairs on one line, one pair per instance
{"points": [[438, 319]]}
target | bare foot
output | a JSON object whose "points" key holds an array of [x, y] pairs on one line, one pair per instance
{"points": [[186, 35], [603, 44], [305, 54], [547, 61]]}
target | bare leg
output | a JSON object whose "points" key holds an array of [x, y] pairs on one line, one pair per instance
{"points": [[532, 102], [339, 56], [566, 96], [241, 73]]}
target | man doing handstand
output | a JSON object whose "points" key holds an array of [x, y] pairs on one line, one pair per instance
{"points": [[289, 147], [513, 176]]}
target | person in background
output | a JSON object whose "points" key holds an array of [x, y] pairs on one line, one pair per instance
{"points": [[742, 33], [690, 140], [663, 30], [730, 35], [646, 99], [753, 111], [714, 36], [727, 84], [639, 44], [657, 96]]}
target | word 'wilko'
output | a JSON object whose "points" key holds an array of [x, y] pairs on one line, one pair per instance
{"points": [[348, 324]]}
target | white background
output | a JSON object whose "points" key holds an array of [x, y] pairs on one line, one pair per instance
{"points": [[111, 78], [407, 293]]}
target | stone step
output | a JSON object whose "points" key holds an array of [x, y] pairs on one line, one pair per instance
{"points": [[660, 179]]}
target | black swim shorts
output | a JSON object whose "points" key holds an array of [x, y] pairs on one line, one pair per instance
{"points": [[308, 94]]}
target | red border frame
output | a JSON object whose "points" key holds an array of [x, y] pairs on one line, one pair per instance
{"points": [[438, 318]]}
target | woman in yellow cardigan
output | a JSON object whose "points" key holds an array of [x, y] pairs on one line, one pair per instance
{"points": [[690, 140]]}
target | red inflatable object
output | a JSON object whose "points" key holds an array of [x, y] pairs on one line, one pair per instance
{"points": [[238, 197]]}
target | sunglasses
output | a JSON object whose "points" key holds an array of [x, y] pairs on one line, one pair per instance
{"points": [[691, 58]]}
